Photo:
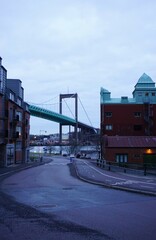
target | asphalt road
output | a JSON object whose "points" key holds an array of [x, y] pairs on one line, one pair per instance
{"points": [[88, 171], [50, 202]]}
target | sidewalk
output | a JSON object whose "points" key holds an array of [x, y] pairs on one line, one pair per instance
{"points": [[118, 180], [4, 171]]}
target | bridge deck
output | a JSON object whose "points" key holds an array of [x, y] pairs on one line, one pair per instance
{"points": [[56, 117]]}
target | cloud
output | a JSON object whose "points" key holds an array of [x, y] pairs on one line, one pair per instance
{"points": [[78, 46]]}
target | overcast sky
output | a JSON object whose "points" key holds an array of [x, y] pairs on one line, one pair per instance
{"points": [[77, 46]]}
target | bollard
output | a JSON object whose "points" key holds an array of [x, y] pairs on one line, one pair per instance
{"points": [[97, 162], [71, 160], [109, 168], [100, 163], [145, 169]]}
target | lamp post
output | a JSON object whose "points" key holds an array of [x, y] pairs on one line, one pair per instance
{"points": [[42, 131], [40, 155]]}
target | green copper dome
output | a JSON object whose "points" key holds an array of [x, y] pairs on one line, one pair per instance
{"points": [[145, 79], [145, 82]]}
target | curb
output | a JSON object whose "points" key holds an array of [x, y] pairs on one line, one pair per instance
{"points": [[23, 168], [113, 187]]}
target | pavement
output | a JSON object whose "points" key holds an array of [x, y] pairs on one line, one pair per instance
{"points": [[88, 171], [6, 171]]}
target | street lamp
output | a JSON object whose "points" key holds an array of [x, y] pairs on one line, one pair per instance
{"points": [[40, 151], [42, 131]]}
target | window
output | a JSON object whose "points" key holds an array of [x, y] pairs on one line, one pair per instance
{"points": [[109, 127], [19, 131], [153, 94], [146, 94], [2, 79], [137, 127], [27, 108], [12, 96], [19, 101], [19, 116], [108, 114], [121, 158], [11, 114], [18, 146], [27, 122], [137, 156], [1, 86], [137, 114]]}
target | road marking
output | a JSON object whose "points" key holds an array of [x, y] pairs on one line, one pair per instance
{"points": [[123, 179], [124, 183], [146, 186], [15, 170], [56, 164], [6, 173], [104, 173]]}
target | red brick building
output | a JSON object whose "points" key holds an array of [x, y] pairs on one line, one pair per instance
{"points": [[15, 118], [129, 117], [3, 76], [129, 149]]}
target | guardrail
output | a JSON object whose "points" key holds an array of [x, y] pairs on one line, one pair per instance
{"points": [[142, 169]]}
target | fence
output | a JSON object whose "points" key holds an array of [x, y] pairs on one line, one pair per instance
{"points": [[134, 168]]}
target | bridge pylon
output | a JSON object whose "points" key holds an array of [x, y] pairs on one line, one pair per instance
{"points": [[75, 96]]}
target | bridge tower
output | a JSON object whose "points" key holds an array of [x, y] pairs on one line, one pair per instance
{"points": [[75, 96]]}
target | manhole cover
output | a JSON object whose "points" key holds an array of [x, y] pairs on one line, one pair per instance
{"points": [[67, 188], [46, 206], [11, 184]]}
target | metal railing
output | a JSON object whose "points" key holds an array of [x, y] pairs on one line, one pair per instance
{"points": [[131, 168]]}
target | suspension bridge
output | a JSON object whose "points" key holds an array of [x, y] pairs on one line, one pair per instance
{"points": [[44, 113], [56, 117]]}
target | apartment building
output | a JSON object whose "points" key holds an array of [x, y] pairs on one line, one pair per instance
{"points": [[3, 76], [129, 118], [15, 118]]}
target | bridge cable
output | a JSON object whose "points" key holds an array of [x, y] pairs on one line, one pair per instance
{"points": [[44, 103], [69, 108], [85, 112], [49, 100]]}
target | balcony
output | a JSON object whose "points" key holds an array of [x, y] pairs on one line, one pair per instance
{"points": [[16, 118], [1, 133], [3, 136]]}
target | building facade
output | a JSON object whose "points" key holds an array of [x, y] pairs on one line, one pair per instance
{"points": [[3, 77], [130, 116], [15, 120], [130, 149], [125, 116]]}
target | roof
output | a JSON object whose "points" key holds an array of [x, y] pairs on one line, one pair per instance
{"points": [[119, 101], [130, 141], [145, 79], [103, 90], [145, 82]]}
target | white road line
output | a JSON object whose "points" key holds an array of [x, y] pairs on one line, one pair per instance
{"points": [[15, 170], [56, 164], [6, 173], [146, 186], [123, 179], [104, 173]]}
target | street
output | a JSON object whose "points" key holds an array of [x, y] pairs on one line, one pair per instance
{"points": [[50, 202]]}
